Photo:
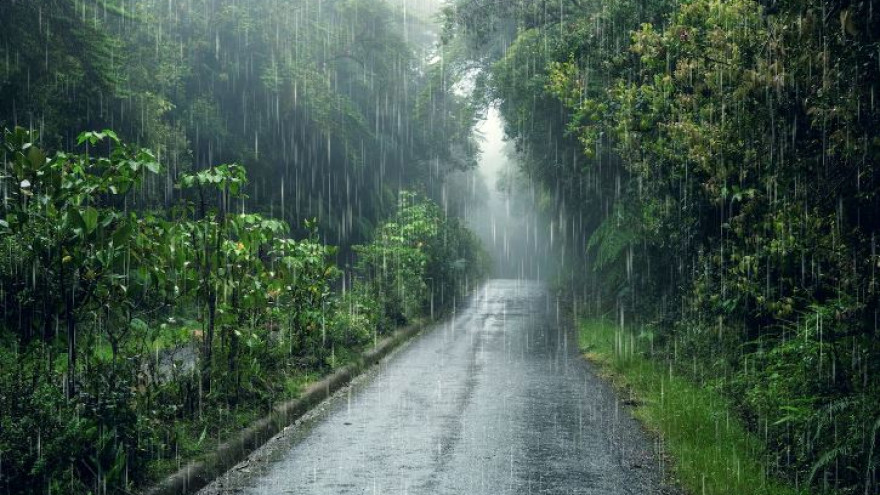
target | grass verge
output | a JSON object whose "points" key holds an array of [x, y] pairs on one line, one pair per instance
{"points": [[712, 453]]}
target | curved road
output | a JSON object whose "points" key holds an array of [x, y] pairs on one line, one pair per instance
{"points": [[494, 401]]}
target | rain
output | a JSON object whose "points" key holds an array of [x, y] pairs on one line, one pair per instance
{"points": [[439, 247]]}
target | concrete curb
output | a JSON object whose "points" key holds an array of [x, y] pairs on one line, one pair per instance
{"points": [[198, 474]]}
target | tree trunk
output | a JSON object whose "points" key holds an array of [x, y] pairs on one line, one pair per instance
{"points": [[209, 335], [67, 297], [233, 340], [210, 298], [71, 346]]}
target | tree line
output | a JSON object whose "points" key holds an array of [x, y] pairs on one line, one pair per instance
{"points": [[130, 336], [329, 105], [259, 214], [718, 161]]}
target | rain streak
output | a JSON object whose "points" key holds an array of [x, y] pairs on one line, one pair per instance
{"points": [[439, 247]]}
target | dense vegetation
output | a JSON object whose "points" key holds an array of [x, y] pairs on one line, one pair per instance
{"points": [[710, 163], [166, 283], [329, 105], [717, 160], [709, 451], [98, 298]]}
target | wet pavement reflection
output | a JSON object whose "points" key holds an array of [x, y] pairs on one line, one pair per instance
{"points": [[495, 400]]}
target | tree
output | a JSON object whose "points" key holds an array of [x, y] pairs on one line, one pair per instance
{"points": [[57, 207]]}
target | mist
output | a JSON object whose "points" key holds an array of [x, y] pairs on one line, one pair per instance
{"points": [[504, 213]]}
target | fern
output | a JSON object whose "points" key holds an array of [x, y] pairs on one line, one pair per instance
{"points": [[612, 238], [826, 460], [869, 467], [825, 419]]}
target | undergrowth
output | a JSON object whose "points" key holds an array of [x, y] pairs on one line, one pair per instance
{"points": [[712, 452]]}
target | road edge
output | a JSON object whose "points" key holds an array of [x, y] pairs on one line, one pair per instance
{"points": [[690, 461], [198, 474]]}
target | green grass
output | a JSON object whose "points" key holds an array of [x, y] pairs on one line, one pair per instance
{"points": [[712, 453]]}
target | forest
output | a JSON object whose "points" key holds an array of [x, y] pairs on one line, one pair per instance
{"points": [[243, 228], [209, 205], [717, 162]]}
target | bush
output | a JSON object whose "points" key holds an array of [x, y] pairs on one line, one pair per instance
{"points": [[88, 399], [419, 260], [819, 418], [51, 444]]}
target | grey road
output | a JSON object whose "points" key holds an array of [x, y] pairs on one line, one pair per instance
{"points": [[494, 401]]}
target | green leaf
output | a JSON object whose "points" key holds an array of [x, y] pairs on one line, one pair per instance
{"points": [[91, 137], [153, 167], [202, 436], [36, 157], [139, 325], [90, 219], [120, 237], [112, 135], [123, 188], [76, 219], [109, 219]]}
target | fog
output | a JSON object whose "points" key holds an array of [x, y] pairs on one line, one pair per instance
{"points": [[504, 212]]}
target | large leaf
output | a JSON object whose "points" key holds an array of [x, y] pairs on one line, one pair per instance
{"points": [[122, 234], [75, 220], [90, 219], [36, 157]]}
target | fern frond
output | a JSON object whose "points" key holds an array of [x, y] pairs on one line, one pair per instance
{"points": [[612, 238]]}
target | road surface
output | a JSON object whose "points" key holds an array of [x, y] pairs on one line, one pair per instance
{"points": [[494, 401]]}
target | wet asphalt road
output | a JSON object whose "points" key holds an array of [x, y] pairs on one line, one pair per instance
{"points": [[496, 400]]}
